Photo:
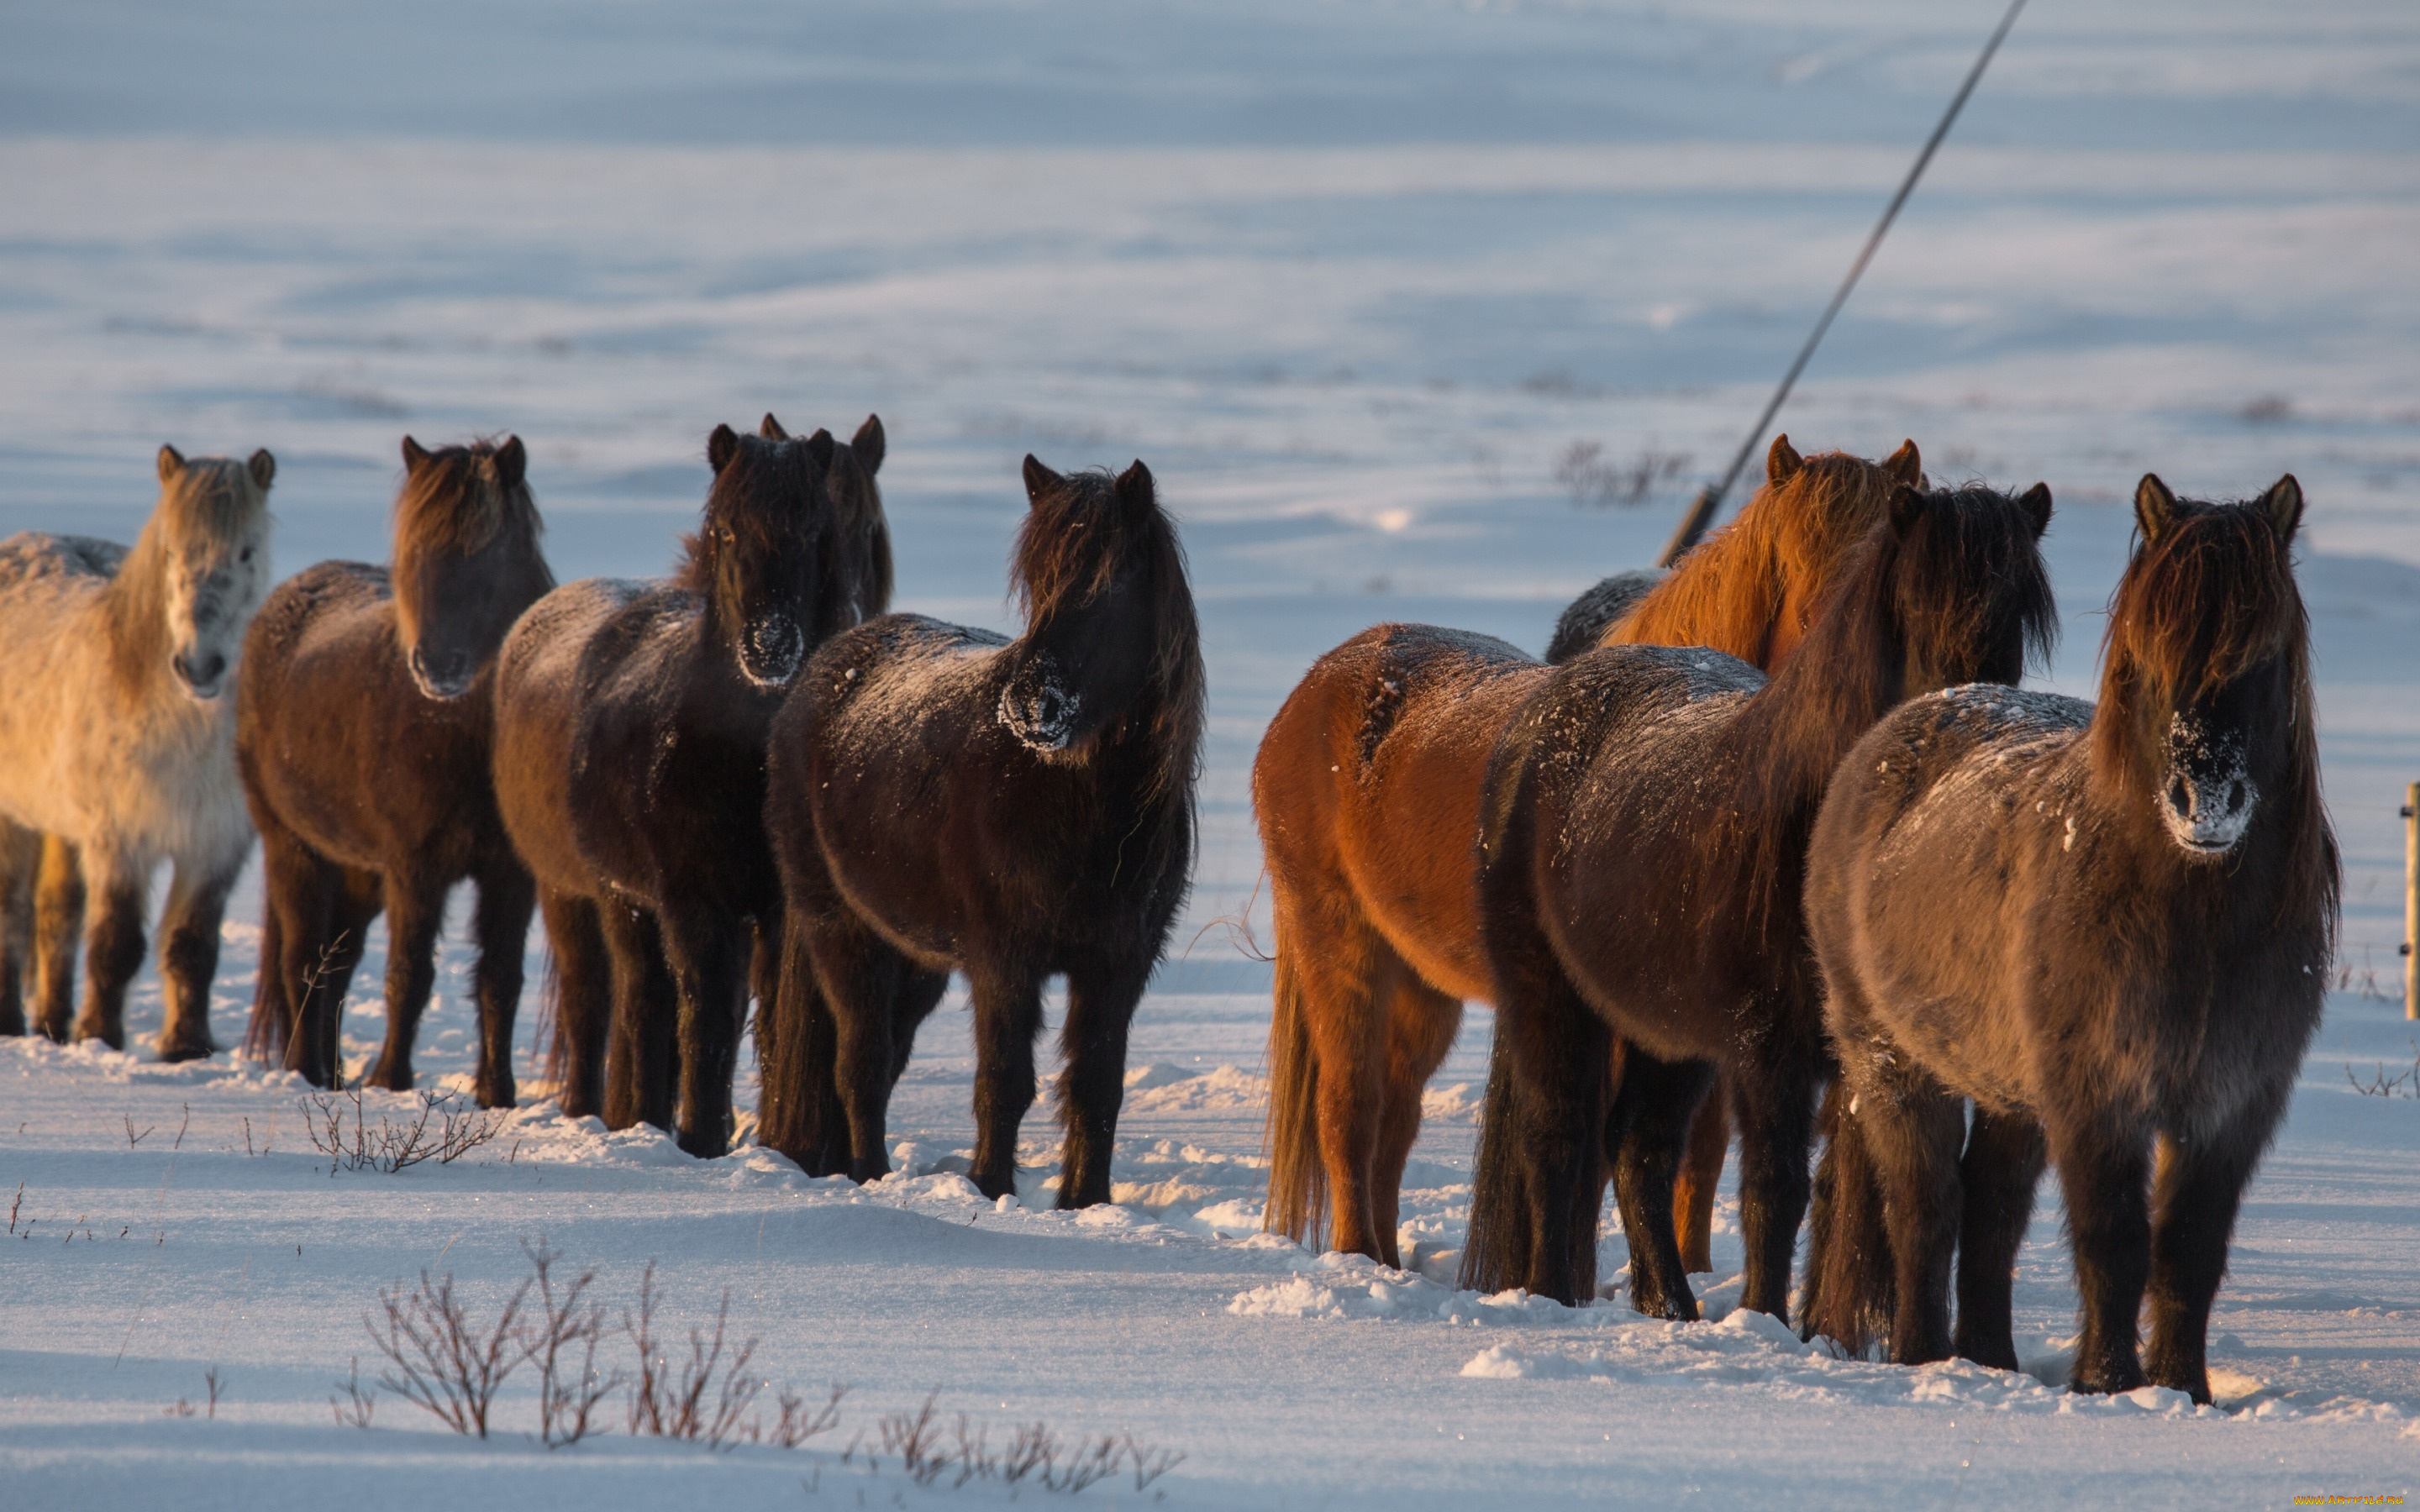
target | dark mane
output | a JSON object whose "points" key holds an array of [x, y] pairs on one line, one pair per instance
{"points": [[2210, 600], [1901, 597], [1072, 546], [753, 489], [455, 503]]}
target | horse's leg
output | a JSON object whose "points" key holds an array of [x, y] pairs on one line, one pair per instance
{"points": [[1100, 1008], [415, 915], [508, 894], [2197, 1192], [765, 984], [1341, 970], [189, 954], [2102, 1173], [855, 1000], [1422, 1023], [1998, 1176], [1647, 1127], [708, 951], [58, 929], [325, 963], [1912, 1131], [1772, 1096], [1701, 1172], [20, 862], [640, 1049], [1008, 1014], [113, 943], [583, 999]]}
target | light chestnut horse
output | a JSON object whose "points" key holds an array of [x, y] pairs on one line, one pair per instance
{"points": [[1367, 788], [117, 748]]}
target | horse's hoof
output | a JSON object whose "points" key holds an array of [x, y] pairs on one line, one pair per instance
{"points": [[494, 1096], [2106, 1379], [389, 1079], [172, 1053], [85, 1029]]}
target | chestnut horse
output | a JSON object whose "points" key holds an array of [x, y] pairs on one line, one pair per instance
{"points": [[1644, 826], [2110, 928], [365, 713], [1367, 790]]}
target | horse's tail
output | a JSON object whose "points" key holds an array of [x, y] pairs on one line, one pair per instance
{"points": [[788, 1108], [1496, 1253], [264, 1037], [1297, 1181], [1850, 1289]]}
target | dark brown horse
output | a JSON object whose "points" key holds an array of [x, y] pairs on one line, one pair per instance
{"points": [[2108, 927], [1015, 810], [363, 720], [1367, 788], [1645, 824], [630, 768]]}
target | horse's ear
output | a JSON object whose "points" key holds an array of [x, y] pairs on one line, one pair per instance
{"points": [[172, 462], [2284, 502], [415, 456], [263, 468], [1906, 464], [869, 444], [512, 463], [1039, 480], [1906, 508], [2155, 508], [2036, 502], [1134, 488], [819, 447], [721, 447], [1782, 462], [771, 429]]}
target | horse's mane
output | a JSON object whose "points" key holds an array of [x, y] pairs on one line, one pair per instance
{"points": [[213, 498], [1075, 538], [754, 466], [1894, 588], [2207, 600], [457, 501], [1727, 591]]}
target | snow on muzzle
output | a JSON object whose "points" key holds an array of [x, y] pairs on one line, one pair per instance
{"points": [[1037, 710], [771, 649], [2208, 799]]}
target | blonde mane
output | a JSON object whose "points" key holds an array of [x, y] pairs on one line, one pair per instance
{"points": [[1758, 579]]}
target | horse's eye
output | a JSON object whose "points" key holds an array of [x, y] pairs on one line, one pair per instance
{"points": [[246, 555]]}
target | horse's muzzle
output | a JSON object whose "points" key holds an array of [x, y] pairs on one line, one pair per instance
{"points": [[203, 679], [2208, 811], [443, 677], [771, 651]]}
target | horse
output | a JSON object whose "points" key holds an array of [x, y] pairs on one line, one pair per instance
{"points": [[630, 769], [1645, 822], [2109, 927], [117, 750], [365, 718], [942, 797], [1367, 791]]}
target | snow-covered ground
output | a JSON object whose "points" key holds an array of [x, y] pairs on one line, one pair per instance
{"points": [[1354, 278]]}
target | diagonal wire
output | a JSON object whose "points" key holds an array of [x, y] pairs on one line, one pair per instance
{"points": [[1709, 502]]}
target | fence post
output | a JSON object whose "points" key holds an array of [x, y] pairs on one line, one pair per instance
{"points": [[2411, 901]]}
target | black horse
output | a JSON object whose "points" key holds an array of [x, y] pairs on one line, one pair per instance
{"points": [[2109, 927], [940, 797], [1644, 826], [630, 768]]}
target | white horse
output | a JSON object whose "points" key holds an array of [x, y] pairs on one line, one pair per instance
{"points": [[117, 749]]}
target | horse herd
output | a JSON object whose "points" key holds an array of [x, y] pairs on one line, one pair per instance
{"points": [[1773, 841]]}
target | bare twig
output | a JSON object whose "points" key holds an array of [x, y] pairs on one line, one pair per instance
{"points": [[562, 1339], [916, 1439], [354, 1409], [797, 1425], [183, 1127], [441, 1362], [133, 1139], [216, 1384], [1149, 1463]]}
